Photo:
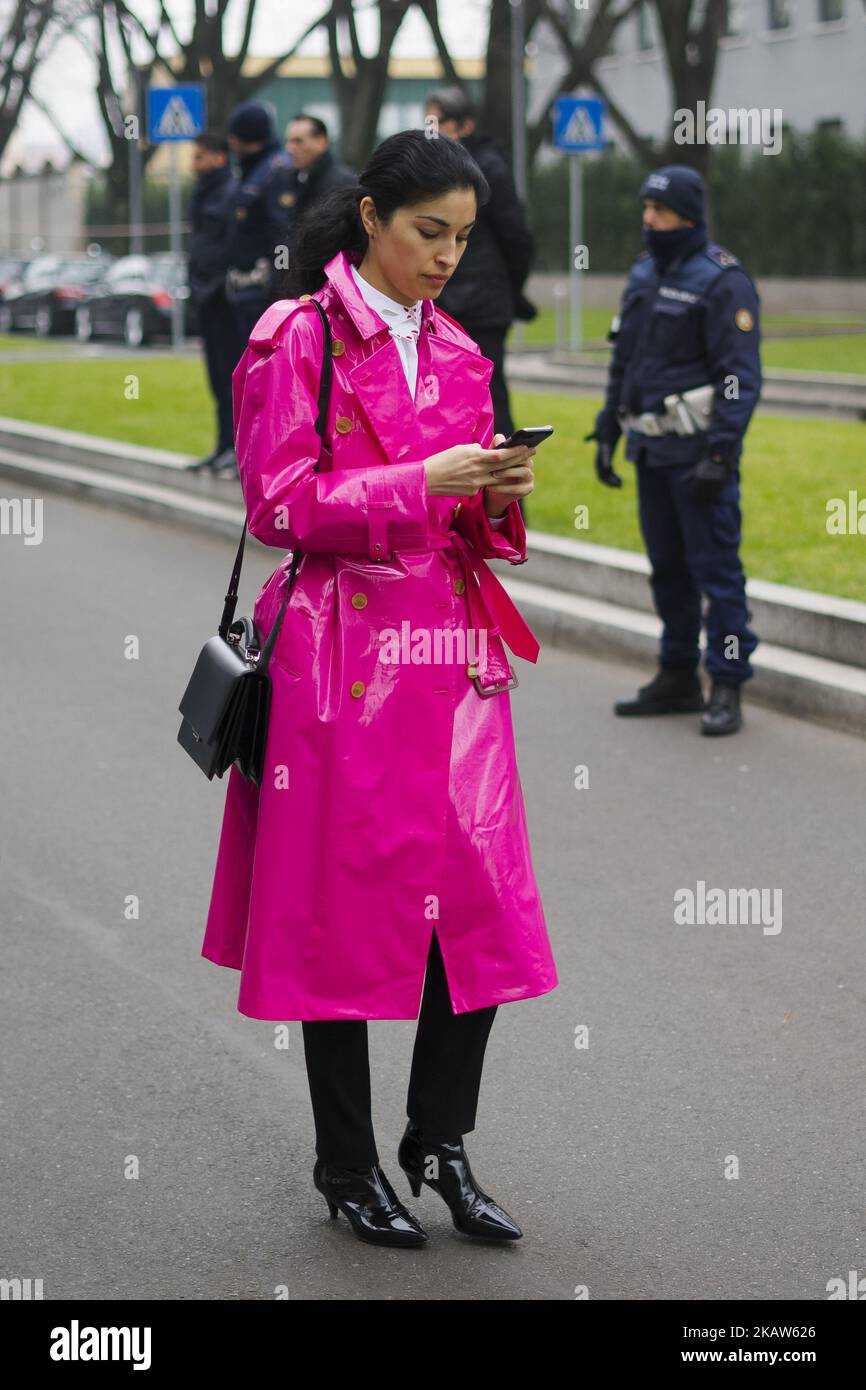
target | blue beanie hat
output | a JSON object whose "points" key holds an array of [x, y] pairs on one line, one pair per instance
{"points": [[252, 121], [679, 187]]}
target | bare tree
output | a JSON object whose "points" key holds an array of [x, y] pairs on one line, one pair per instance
{"points": [[360, 82], [690, 32], [28, 34], [582, 52], [203, 56]]}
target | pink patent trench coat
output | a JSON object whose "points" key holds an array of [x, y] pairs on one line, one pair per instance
{"points": [[391, 804]]}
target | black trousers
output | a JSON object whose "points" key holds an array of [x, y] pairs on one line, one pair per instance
{"points": [[222, 352], [443, 1084], [492, 344]]}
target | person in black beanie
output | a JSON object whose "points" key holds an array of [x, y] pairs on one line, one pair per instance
{"points": [[260, 214], [684, 380], [209, 217]]}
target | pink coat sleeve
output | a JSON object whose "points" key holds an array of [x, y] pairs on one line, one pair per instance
{"points": [[505, 542], [354, 510]]}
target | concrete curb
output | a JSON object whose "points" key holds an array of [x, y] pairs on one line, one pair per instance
{"points": [[811, 661]]}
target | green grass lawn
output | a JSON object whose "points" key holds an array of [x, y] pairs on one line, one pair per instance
{"points": [[28, 342], [790, 469]]}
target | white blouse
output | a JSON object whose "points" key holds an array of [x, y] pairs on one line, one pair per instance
{"points": [[404, 323]]}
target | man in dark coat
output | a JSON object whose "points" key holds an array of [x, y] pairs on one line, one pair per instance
{"points": [[315, 169], [485, 293], [209, 215]]}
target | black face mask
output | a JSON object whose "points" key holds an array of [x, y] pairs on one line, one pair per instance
{"points": [[664, 246]]}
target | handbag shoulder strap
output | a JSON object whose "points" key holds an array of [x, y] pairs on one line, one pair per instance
{"points": [[231, 597]]}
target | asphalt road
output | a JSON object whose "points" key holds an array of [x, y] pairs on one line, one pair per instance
{"points": [[123, 1051]]}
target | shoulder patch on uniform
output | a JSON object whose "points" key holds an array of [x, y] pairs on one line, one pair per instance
{"points": [[267, 329], [720, 256], [744, 320]]}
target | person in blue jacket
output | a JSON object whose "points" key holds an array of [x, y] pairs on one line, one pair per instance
{"points": [[689, 319]]}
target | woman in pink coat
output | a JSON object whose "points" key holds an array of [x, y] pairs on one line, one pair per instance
{"points": [[388, 838]]}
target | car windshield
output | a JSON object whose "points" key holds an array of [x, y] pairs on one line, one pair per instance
{"points": [[81, 272]]}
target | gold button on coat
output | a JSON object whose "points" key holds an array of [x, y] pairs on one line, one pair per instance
{"points": [[359, 600], [338, 347], [304, 297], [358, 688], [343, 424], [459, 586]]}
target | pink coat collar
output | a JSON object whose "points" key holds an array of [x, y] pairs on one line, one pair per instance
{"points": [[365, 319]]}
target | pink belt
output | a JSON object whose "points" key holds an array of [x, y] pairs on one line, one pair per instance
{"points": [[489, 607]]}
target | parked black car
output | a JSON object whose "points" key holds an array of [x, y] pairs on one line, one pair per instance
{"points": [[134, 301], [11, 269], [48, 292]]}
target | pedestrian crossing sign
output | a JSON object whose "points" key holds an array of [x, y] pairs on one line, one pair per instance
{"points": [[175, 113], [577, 123]]}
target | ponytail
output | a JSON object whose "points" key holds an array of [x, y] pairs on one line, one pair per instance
{"points": [[332, 224]]}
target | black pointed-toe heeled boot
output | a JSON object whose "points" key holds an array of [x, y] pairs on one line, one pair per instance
{"points": [[473, 1211], [368, 1200]]}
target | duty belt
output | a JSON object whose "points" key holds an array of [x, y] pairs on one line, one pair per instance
{"points": [[650, 424], [490, 607], [685, 413]]}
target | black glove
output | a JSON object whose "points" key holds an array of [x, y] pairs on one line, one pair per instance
{"points": [[603, 455], [707, 480]]}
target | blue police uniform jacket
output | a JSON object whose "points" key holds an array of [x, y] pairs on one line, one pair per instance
{"points": [[695, 323], [261, 210]]}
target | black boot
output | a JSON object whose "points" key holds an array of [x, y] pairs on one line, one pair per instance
{"points": [[472, 1210], [225, 465], [201, 464], [722, 715], [670, 692], [370, 1203]]}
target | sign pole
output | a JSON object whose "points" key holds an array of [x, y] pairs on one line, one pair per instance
{"points": [[575, 228], [577, 126], [177, 305]]}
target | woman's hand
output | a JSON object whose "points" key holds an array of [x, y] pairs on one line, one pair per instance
{"points": [[518, 480], [467, 469]]}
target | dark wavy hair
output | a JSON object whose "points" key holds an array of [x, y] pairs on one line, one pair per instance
{"points": [[407, 168]]}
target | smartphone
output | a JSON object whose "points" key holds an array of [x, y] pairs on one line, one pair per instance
{"points": [[532, 435]]}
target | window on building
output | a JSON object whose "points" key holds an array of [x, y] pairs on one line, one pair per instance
{"points": [[735, 19], [830, 10], [778, 14], [645, 34]]}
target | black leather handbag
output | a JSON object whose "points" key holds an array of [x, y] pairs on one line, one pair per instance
{"points": [[226, 704]]}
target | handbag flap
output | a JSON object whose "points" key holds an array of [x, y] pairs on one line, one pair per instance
{"points": [[212, 684]]}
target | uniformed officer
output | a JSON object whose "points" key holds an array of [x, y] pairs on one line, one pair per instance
{"points": [[262, 211], [688, 320], [210, 211]]}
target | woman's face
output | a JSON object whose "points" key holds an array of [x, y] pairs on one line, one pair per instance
{"points": [[420, 248]]}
